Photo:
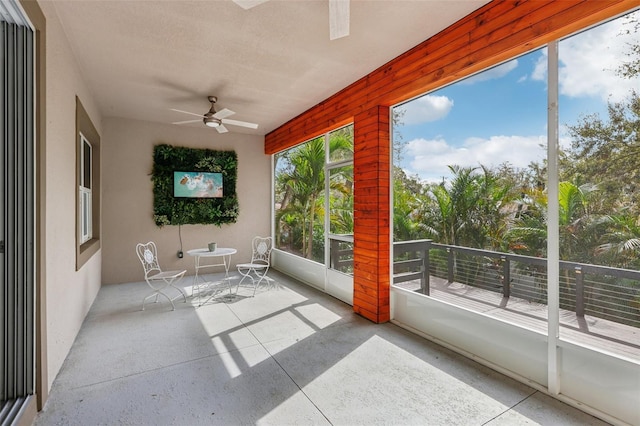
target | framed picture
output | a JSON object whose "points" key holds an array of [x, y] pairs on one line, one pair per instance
{"points": [[197, 185]]}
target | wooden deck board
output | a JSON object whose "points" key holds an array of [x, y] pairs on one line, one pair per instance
{"points": [[619, 339]]}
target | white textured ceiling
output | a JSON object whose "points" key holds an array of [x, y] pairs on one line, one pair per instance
{"points": [[268, 64]]}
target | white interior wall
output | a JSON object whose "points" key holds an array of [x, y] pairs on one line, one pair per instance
{"points": [[127, 196], [70, 293]]}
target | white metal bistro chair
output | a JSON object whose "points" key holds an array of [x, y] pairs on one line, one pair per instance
{"points": [[257, 269], [158, 279]]}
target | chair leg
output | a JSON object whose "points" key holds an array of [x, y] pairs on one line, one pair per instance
{"points": [[255, 276], [181, 292], [255, 288], [262, 277], [157, 294], [244, 275]]}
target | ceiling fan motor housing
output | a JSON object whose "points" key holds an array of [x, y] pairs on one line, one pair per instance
{"points": [[209, 119]]}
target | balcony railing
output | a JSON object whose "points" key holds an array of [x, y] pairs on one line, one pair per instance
{"points": [[341, 253], [598, 291]]}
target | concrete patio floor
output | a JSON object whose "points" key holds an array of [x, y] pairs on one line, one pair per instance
{"points": [[289, 355]]}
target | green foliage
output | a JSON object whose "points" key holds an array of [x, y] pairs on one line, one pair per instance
{"points": [[621, 246], [607, 151], [409, 208], [300, 194], [505, 209], [631, 68], [468, 211], [168, 210]]}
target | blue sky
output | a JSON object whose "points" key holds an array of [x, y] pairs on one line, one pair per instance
{"points": [[501, 114]]}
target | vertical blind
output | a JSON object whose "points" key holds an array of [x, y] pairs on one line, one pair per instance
{"points": [[17, 293]]}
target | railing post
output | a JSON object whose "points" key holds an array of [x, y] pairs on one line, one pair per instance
{"points": [[449, 265], [579, 292], [506, 276], [424, 281], [334, 256]]}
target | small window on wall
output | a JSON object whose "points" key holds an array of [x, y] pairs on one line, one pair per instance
{"points": [[85, 190], [88, 183]]}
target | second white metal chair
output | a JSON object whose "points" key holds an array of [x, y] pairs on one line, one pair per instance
{"points": [[158, 279], [257, 269]]}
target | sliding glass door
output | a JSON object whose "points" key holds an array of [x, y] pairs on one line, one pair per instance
{"points": [[17, 289]]}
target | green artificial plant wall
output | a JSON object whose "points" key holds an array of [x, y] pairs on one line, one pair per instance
{"points": [[168, 210]]}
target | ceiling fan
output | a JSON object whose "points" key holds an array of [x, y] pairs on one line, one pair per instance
{"points": [[338, 15], [214, 119]]}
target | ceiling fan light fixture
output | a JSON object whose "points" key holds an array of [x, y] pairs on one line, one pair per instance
{"points": [[211, 122]]}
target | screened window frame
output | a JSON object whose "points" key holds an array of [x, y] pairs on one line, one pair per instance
{"points": [[329, 165], [274, 179]]}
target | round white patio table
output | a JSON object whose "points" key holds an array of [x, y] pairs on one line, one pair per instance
{"points": [[222, 257]]}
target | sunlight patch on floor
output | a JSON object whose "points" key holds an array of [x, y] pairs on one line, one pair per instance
{"points": [[227, 358], [317, 314]]}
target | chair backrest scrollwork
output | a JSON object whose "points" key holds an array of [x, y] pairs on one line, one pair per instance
{"points": [[261, 250], [148, 255]]}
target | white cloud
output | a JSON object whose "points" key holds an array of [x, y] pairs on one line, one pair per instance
{"points": [[429, 158], [492, 73], [425, 109], [540, 69], [589, 60]]}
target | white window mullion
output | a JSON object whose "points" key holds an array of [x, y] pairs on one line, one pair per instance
{"points": [[85, 215], [553, 224], [85, 190]]}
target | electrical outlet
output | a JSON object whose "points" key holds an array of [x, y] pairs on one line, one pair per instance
{"points": [[180, 254]]}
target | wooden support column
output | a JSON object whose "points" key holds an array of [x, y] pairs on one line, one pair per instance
{"points": [[371, 209]]}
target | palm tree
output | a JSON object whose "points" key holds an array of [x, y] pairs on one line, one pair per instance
{"points": [[578, 225], [622, 246], [527, 232], [302, 183], [469, 210], [408, 214], [341, 201], [491, 211]]}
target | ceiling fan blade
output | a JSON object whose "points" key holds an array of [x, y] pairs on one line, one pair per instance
{"points": [[222, 129], [338, 19], [248, 4], [187, 112], [187, 121], [240, 123], [223, 113]]}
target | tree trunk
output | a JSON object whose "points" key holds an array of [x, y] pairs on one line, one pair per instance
{"points": [[312, 205]]}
